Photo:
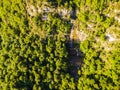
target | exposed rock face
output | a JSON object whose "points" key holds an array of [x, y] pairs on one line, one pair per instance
{"points": [[31, 10], [110, 38], [117, 18], [81, 35]]}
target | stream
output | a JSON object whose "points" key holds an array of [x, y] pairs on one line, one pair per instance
{"points": [[74, 54]]}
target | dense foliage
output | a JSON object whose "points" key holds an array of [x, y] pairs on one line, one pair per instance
{"points": [[33, 50]]}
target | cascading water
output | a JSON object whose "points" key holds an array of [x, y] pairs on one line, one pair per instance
{"points": [[71, 36], [74, 54]]}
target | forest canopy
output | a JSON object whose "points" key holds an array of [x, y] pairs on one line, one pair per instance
{"points": [[35, 39]]}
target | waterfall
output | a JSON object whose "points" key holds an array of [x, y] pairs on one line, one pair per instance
{"points": [[71, 36]]}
